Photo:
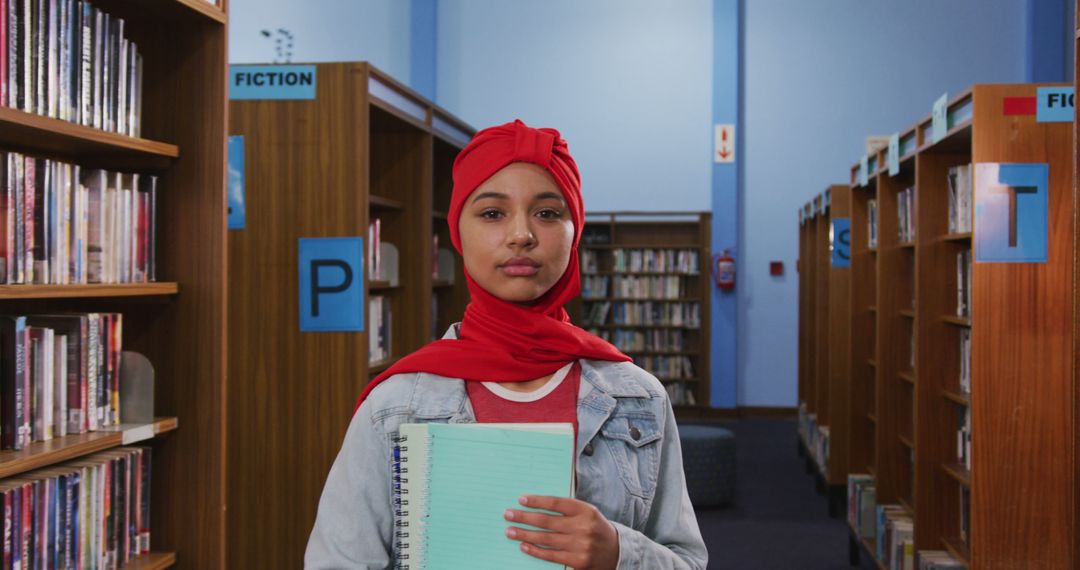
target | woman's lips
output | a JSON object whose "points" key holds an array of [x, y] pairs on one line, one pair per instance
{"points": [[520, 267]]}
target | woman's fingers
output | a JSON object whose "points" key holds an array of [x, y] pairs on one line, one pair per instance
{"points": [[557, 523], [543, 538]]}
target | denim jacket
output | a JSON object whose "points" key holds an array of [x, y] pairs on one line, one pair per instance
{"points": [[625, 428]]}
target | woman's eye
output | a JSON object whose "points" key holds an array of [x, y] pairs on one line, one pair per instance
{"points": [[490, 214], [549, 214]]}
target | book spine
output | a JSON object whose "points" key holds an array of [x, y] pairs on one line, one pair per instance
{"points": [[401, 501]]}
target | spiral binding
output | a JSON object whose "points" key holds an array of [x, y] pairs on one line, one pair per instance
{"points": [[401, 501]]}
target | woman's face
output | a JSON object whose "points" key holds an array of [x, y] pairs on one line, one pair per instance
{"points": [[516, 233]]}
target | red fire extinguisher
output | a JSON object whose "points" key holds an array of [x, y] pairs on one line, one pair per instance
{"points": [[724, 271]]}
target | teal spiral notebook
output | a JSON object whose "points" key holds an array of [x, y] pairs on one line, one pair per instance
{"points": [[453, 482]]}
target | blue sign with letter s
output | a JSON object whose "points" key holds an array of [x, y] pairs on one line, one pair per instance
{"points": [[840, 242]]}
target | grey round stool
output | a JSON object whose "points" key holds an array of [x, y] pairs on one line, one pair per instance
{"points": [[709, 463]]}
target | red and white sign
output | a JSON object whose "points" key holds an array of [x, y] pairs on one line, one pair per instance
{"points": [[724, 149]]}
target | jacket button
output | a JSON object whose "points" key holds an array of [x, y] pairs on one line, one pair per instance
{"points": [[635, 433], [588, 449]]}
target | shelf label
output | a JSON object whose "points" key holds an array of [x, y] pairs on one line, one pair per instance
{"points": [[840, 242], [725, 144], [1055, 104], [939, 126], [1011, 212], [331, 284], [236, 182], [864, 171], [271, 82], [894, 154]]}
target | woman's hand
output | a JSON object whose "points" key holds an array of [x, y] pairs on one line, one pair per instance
{"points": [[580, 538]]}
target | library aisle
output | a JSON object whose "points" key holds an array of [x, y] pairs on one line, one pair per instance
{"points": [[779, 520]]}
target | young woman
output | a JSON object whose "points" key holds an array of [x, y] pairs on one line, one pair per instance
{"points": [[516, 217]]}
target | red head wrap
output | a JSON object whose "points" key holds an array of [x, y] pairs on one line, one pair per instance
{"points": [[503, 341]]}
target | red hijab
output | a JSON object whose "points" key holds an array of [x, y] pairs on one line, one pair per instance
{"points": [[502, 341]]}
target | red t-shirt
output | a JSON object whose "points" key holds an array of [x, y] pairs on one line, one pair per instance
{"points": [[558, 406]]}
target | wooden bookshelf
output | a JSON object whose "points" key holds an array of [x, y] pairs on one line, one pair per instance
{"points": [[1075, 408], [177, 323], [607, 232], [366, 147], [45, 453], [826, 335], [1022, 401]]}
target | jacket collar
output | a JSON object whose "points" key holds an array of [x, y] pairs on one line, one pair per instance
{"points": [[602, 383]]}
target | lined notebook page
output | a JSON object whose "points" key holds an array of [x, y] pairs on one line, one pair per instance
{"points": [[475, 475]]}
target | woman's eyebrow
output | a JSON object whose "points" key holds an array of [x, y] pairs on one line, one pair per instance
{"points": [[496, 195], [550, 196]]}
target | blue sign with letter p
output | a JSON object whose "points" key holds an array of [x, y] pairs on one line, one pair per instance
{"points": [[1012, 212], [332, 284]]}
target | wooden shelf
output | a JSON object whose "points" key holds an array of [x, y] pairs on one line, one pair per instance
{"points": [[641, 274], [906, 245], [645, 300], [907, 506], [906, 441], [377, 367], [32, 133], [962, 399], [907, 313], [663, 353], [440, 215], [958, 550], [440, 283], [957, 237], [872, 308], [871, 470], [381, 286], [152, 561], [907, 376], [653, 245], [45, 453], [872, 249], [86, 291], [958, 472], [203, 7], [958, 321], [385, 203], [872, 362], [611, 327], [872, 417]]}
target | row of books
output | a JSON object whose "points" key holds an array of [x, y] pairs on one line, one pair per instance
{"points": [[595, 236], [61, 225], [965, 360], [666, 287], [595, 314], [965, 514], [895, 540], [60, 375], [656, 261], [68, 60], [379, 330], [891, 529], [590, 262], [90, 513], [668, 367], [961, 185], [594, 287], [686, 315], [652, 340], [963, 437], [963, 283], [872, 222], [905, 214], [680, 394], [374, 260]]}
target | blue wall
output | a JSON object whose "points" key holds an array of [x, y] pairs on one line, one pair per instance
{"points": [[819, 78], [627, 82], [324, 30]]}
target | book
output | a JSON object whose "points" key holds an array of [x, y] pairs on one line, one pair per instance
{"points": [[455, 481], [872, 223]]}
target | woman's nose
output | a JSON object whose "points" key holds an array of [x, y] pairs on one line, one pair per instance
{"points": [[521, 234]]}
